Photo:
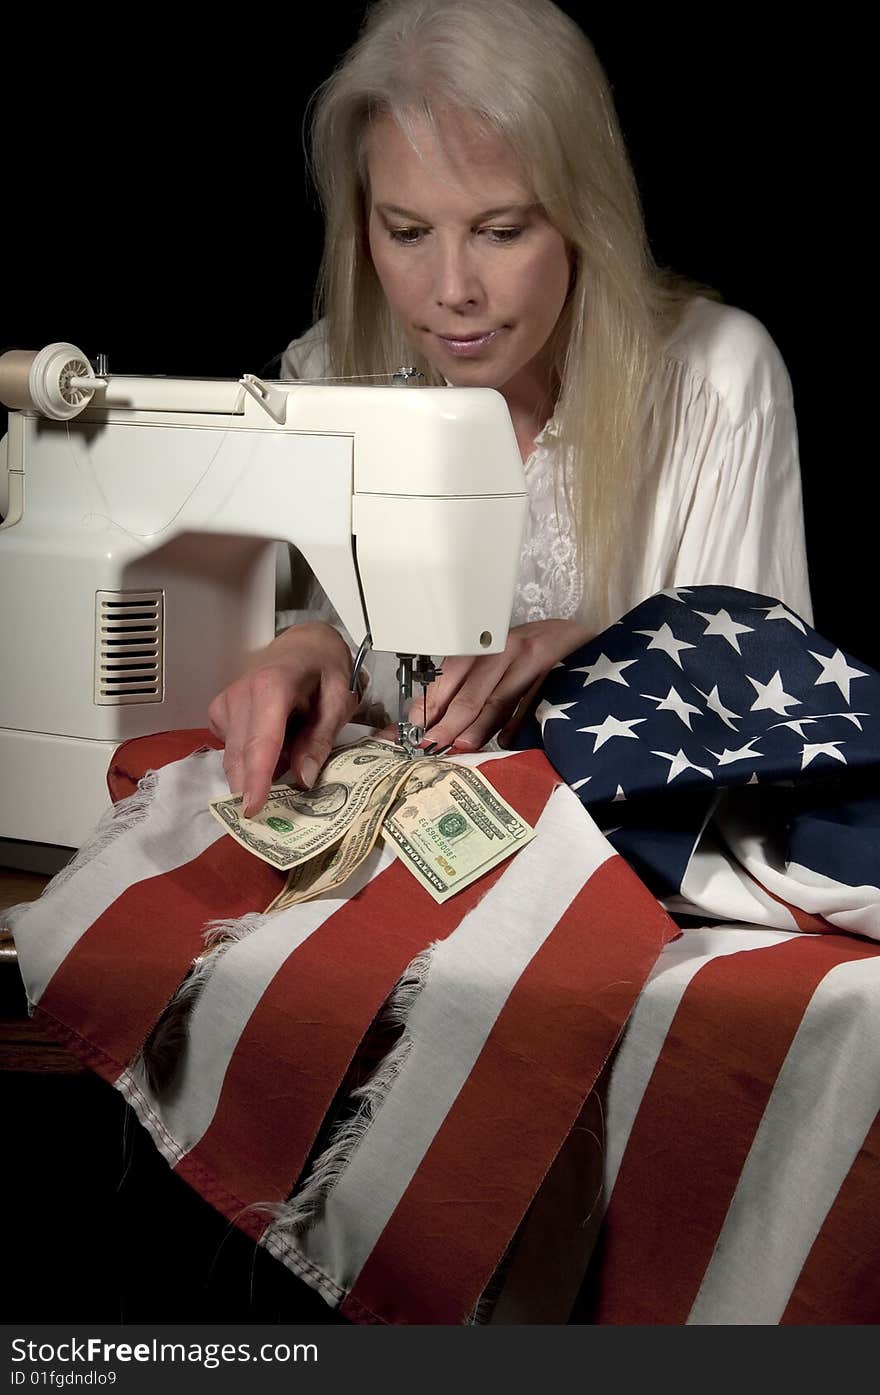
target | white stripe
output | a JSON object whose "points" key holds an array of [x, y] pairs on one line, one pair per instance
{"points": [[824, 1101], [572, 1204], [854, 908], [177, 828], [651, 1018], [476, 758], [229, 997], [232, 993], [714, 885], [471, 976], [130, 1085]]}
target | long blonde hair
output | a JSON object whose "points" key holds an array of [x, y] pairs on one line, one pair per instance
{"points": [[527, 73]]}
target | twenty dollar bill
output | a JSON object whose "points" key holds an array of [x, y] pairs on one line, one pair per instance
{"points": [[449, 826]]}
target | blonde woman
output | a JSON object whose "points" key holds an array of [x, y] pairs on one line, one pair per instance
{"points": [[482, 222]]}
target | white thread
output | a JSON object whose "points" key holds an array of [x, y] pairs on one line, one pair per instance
{"points": [[146, 537], [238, 929]]}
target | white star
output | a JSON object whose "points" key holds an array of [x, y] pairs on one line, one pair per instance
{"points": [[801, 722], [578, 784], [612, 727], [797, 725], [680, 762], [664, 639], [721, 623], [546, 712], [836, 670], [772, 696], [850, 717], [714, 704], [675, 593], [744, 752], [826, 748], [605, 668], [619, 795], [779, 612], [673, 702]]}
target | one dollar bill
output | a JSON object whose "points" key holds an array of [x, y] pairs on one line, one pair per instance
{"points": [[296, 826], [336, 864], [444, 821]]}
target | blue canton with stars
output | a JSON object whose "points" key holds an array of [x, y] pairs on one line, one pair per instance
{"points": [[698, 689]]}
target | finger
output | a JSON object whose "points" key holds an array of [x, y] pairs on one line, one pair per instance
{"points": [[502, 705], [495, 712], [227, 720], [485, 690], [282, 765], [335, 704], [520, 712], [218, 718], [429, 706], [415, 715], [252, 756]]}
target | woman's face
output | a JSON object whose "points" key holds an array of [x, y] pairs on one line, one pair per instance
{"points": [[472, 270]]}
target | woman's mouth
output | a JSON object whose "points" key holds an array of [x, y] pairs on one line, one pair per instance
{"points": [[467, 345]]}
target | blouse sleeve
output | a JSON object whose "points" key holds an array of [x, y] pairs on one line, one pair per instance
{"points": [[745, 526], [725, 496], [306, 357]]}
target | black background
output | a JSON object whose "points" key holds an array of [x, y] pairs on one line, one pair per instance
{"points": [[157, 206]]}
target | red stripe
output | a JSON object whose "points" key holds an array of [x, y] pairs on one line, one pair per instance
{"points": [[840, 1281], [131, 761], [113, 985], [495, 1146], [804, 920], [303, 1034], [696, 1124]]}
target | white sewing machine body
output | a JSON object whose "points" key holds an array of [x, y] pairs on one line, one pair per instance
{"points": [[137, 555]]}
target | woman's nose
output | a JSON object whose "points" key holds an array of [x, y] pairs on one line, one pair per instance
{"points": [[457, 283]]}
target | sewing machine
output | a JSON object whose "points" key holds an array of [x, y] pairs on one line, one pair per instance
{"points": [[140, 522]]}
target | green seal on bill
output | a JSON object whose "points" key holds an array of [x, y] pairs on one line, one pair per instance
{"points": [[452, 825]]}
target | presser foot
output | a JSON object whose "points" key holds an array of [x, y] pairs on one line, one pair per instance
{"points": [[408, 737], [409, 734]]}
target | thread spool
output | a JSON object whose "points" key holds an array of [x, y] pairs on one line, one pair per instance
{"points": [[56, 381]]}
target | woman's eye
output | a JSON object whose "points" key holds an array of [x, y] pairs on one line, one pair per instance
{"points": [[504, 234], [407, 236]]}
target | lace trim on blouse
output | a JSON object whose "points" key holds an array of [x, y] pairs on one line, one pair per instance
{"points": [[550, 584]]}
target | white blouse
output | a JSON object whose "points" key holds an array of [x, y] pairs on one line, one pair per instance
{"points": [[725, 481]]}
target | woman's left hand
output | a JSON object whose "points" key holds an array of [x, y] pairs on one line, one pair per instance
{"points": [[476, 698]]}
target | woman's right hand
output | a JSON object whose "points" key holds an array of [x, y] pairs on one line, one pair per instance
{"points": [[306, 670]]}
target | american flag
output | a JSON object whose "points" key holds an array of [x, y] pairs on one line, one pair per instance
{"points": [[432, 1112], [665, 723]]}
